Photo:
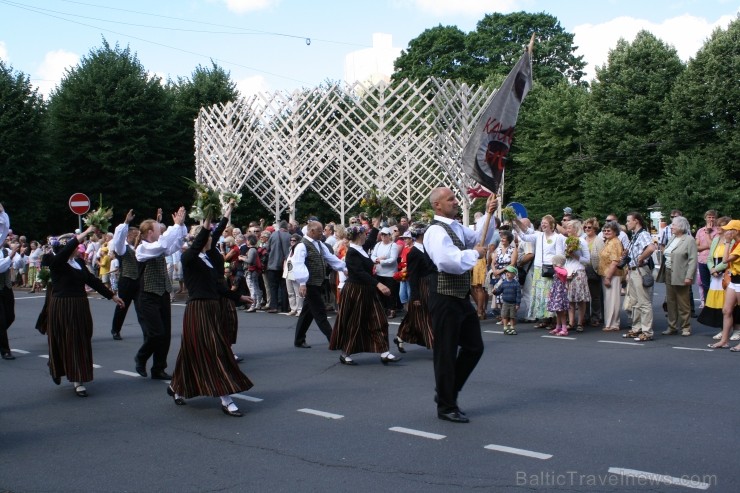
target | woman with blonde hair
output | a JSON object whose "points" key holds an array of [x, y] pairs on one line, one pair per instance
{"points": [[577, 258], [595, 245], [611, 275], [547, 243]]}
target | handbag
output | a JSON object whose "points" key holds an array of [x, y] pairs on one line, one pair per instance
{"points": [[647, 278], [547, 269], [661, 273]]}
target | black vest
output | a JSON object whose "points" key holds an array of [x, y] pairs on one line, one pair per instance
{"points": [[457, 285]]}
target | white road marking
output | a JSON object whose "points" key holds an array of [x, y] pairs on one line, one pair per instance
{"points": [[394, 323], [518, 451], [320, 413], [623, 342], [693, 348], [178, 304], [44, 356], [29, 297], [96, 366], [494, 331], [19, 351], [246, 398], [128, 373], [418, 433], [653, 478], [560, 337]]}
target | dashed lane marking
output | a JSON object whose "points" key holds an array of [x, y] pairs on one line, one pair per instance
{"points": [[320, 413], [418, 433], [518, 451], [128, 373], [494, 331], [693, 348], [19, 351], [46, 356], [96, 366], [560, 337], [623, 342], [653, 478], [247, 397]]}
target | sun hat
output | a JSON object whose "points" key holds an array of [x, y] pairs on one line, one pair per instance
{"points": [[511, 268], [734, 224]]}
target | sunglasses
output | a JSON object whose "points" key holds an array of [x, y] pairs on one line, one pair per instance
{"points": [[587, 227]]}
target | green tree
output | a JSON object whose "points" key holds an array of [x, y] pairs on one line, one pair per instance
{"points": [[493, 48], [111, 123], [440, 51], [206, 87], [614, 190], [697, 181], [623, 123], [499, 39], [704, 111], [25, 180], [546, 170]]}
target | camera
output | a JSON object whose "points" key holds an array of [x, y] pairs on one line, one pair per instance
{"points": [[624, 262]]}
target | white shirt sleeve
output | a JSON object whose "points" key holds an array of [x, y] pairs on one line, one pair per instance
{"points": [[300, 271], [4, 226], [119, 239], [331, 259], [445, 255], [170, 242]]}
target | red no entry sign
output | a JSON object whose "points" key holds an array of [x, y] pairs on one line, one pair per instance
{"points": [[79, 203]]}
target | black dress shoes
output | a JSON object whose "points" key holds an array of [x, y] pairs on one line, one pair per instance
{"points": [[347, 361], [178, 400], [140, 369], [399, 345], [117, 336], [56, 380], [303, 345], [8, 356], [454, 416], [236, 414], [389, 359], [161, 375]]}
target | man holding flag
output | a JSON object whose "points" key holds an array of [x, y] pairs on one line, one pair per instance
{"points": [[455, 249]]}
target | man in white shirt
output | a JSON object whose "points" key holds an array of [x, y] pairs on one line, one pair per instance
{"points": [[454, 250]]}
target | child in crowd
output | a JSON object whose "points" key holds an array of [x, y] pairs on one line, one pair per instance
{"points": [[511, 296], [114, 268], [104, 263], [558, 301]]}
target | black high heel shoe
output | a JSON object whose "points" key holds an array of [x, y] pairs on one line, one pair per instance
{"points": [[178, 400], [236, 414], [346, 360], [389, 359], [399, 344]]}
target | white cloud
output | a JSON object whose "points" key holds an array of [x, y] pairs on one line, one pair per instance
{"points": [[243, 6], [51, 70], [468, 7], [4, 51], [252, 85], [686, 33]]}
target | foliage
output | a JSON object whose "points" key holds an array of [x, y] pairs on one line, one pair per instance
{"points": [[99, 219], [377, 205], [614, 190], [493, 48], [26, 182], [694, 182], [111, 123]]}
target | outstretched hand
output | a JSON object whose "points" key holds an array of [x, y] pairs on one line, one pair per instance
{"points": [[159, 215], [492, 203], [129, 217], [179, 216]]}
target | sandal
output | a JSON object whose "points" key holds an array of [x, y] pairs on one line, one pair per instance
{"points": [[717, 346], [579, 328], [644, 337], [541, 325], [735, 349], [632, 334]]}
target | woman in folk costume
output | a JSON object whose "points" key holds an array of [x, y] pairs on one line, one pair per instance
{"points": [[205, 365], [69, 323], [361, 325], [416, 326]]}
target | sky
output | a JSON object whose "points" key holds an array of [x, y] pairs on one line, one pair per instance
{"points": [[270, 45]]}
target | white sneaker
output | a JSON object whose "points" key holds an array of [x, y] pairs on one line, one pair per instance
{"points": [[735, 336]]}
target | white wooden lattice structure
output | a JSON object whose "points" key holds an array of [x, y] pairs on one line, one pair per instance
{"points": [[403, 139]]}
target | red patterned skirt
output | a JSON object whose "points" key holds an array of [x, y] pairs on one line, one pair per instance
{"points": [[205, 364], [69, 329], [361, 325]]}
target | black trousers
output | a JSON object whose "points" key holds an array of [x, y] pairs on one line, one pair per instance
{"points": [[7, 317], [455, 324], [313, 309], [128, 291], [278, 290], [155, 318]]}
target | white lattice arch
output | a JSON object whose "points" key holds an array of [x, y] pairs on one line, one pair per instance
{"points": [[403, 139]]}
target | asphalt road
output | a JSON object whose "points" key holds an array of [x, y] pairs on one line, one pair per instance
{"points": [[584, 413]]}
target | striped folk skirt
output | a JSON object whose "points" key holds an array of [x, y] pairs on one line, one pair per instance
{"points": [[69, 329], [416, 326], [229, 319], [205, 364], [361, 325]]}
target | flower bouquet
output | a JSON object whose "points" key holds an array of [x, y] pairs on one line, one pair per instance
{"points": [[371, 202], [207, 203], [227, 197], [509, 214], [99, 219], [572, 245], [44, 276]]}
